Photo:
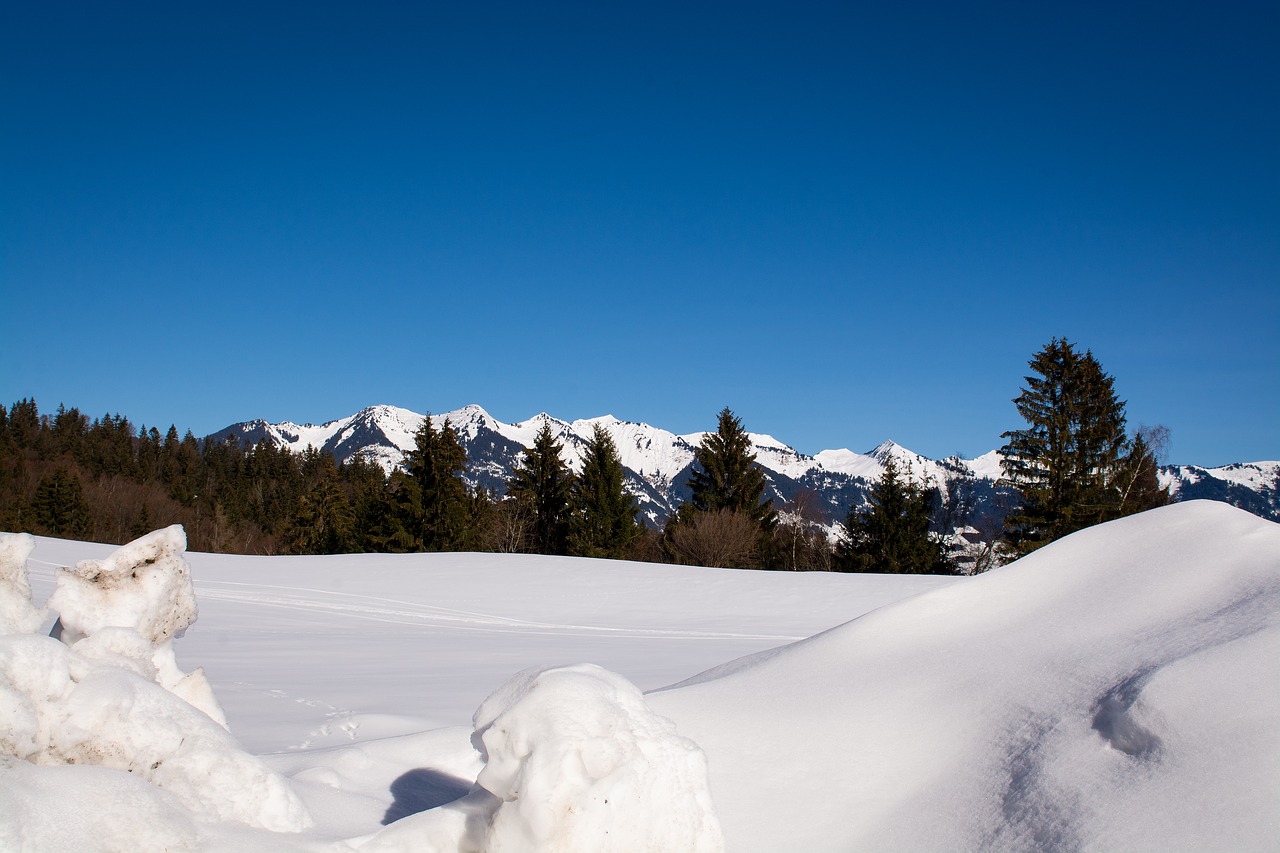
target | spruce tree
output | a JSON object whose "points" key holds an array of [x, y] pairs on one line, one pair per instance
{"points": [[540, 482], [323, 521], [892, 534], [1069, 463], [435, 465], [59, 506], [603, 520], [727, 477]]}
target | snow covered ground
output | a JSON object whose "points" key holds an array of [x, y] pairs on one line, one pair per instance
{"points": [[1118, 690]]}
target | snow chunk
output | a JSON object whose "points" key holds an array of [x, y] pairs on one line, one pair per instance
{"points": [[145, 585], [17, 614], [126, 610], [577, 761], [115, 698]]}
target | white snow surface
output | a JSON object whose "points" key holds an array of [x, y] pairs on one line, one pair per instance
{"points": [[1114, 691]]}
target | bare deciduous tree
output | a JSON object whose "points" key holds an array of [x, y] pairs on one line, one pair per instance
{"points": [[721, 539]]}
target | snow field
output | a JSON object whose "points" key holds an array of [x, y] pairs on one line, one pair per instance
{"points": [[1116, 690]]}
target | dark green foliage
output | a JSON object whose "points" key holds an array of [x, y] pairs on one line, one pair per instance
{"points": [[386, 515], [59, 507], [892, 534], [1136, 482], [727, 476], [323, 522], [540, 484], [440, 519], [727, 488], [1072, 464], [23, 423], [603, 520]]}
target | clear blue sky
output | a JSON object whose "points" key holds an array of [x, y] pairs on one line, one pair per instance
{"points": [[848, 222]]}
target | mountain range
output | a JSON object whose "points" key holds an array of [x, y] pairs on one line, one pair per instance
{"points": [[659, 463]]}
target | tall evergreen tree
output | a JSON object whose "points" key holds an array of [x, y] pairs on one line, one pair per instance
{"points": [[1068, 464], [59, 506], [540, 481], [892, 534], [435, 465], [603, 521], [388, 516], [726, 475], [323, 522]]}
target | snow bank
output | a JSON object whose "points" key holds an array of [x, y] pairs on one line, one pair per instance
{"points": [[1116, 690], [17, 614], [574, 760], [111, 695]]}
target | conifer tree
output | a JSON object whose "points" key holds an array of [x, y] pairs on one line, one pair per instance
{"points": [[388, 516], [727, 477], [435, 465], [323, 521], [540, 481], [892, 534], [59, 506], [1069, 463], [603, 521]]}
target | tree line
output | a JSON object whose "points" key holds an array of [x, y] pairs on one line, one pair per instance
{"points": [[1072, 465]]}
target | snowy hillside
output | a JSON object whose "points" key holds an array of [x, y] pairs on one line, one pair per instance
{"points": [[1254, 486], [1114, 691]]}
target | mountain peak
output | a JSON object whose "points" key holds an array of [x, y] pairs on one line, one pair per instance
{"points": [[887, 448]]}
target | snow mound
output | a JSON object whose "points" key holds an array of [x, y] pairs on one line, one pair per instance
{"points": [[574, 760], [126, 611], [578, 761], [17, 614], [110, 695], [88, 808], [1116, 690]]}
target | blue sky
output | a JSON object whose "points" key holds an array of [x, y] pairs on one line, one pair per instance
{"points": [[847, 222]]}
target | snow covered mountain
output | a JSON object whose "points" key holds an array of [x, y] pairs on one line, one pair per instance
{"points": [[659, 463]]}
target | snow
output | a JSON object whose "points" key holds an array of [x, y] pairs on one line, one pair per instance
{"points": [[1115, 690], [988, 466], [575, 760], [17, 614], [1255, 476], [108, 694]]}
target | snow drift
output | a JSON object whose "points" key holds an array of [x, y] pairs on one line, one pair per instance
{"points": [[1114, 691]]}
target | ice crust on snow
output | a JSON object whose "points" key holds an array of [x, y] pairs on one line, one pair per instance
{"points": [[574, 761], [108, 693]]}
